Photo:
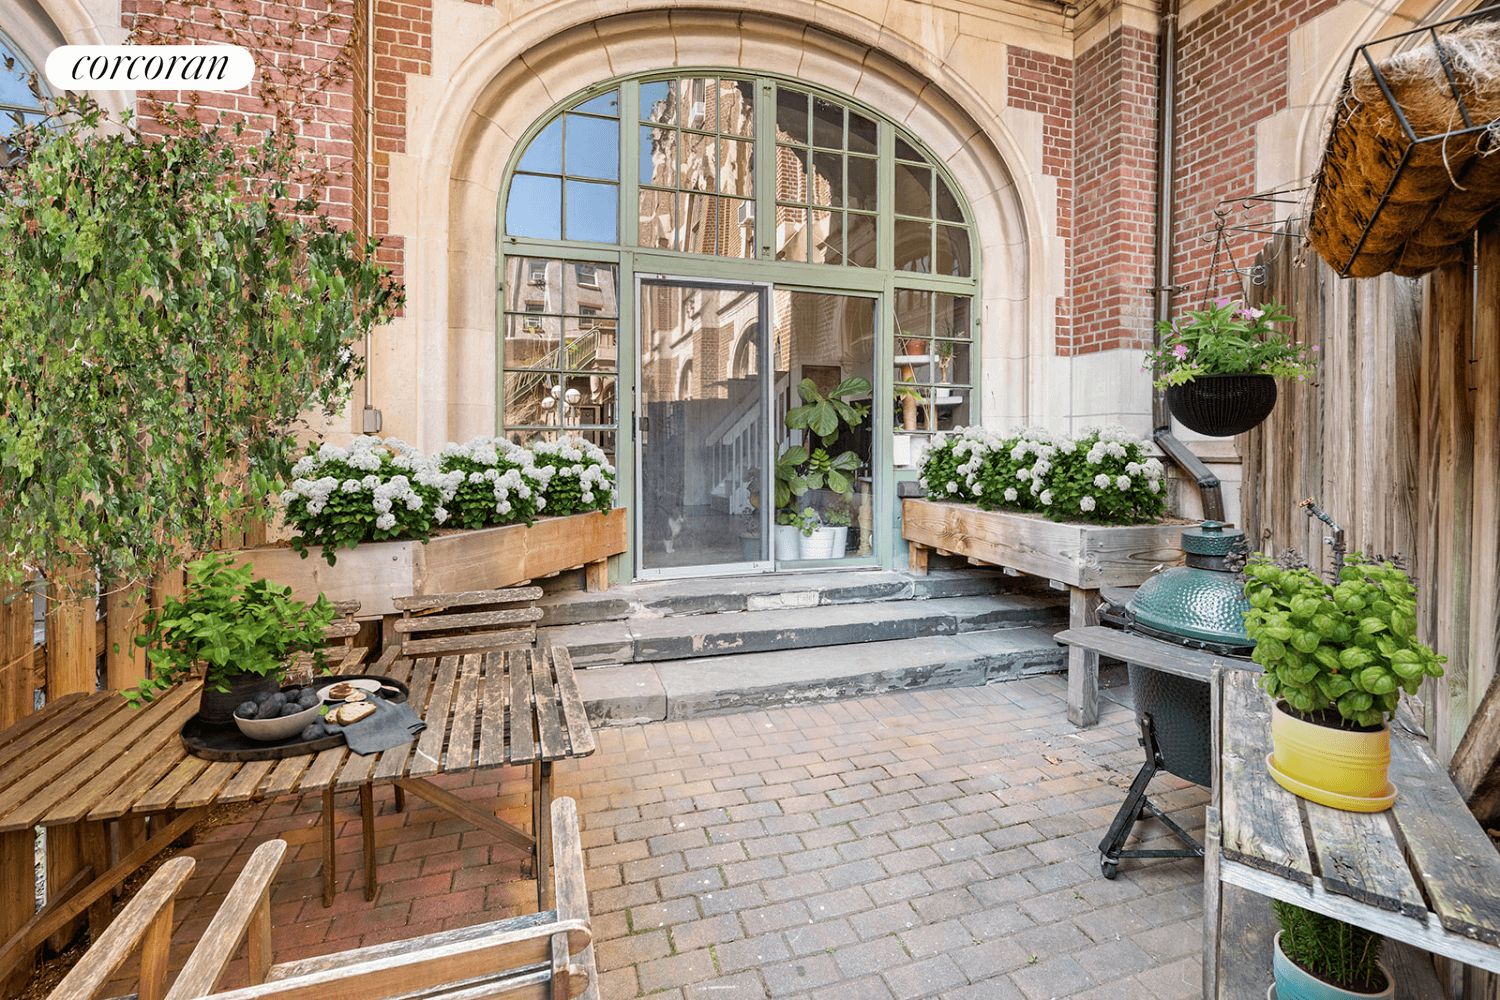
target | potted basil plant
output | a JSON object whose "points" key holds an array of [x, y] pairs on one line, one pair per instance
{"points": [[1324, 957], [1336, 658], [1219, 365], [239, 630]]}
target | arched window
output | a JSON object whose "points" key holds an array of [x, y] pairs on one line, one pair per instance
{"points": [[17, 102], [759, 233]]}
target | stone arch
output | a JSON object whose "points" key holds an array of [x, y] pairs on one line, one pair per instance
{"points": [[517, 74]]}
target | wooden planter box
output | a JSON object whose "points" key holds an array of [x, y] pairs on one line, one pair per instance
{"points": [[1084, 557], [376, 572], [1080, 555]]}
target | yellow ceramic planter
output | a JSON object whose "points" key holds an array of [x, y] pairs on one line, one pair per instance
{"points": [[1336, 767]]}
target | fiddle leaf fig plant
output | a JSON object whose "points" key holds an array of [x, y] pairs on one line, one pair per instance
{"points": [[790, 482], [1338, 654], [229, 623], [822, 414], [836, 471]]}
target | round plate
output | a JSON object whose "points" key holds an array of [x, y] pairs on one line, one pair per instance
{"points": [[367, 684], [1351, 803]]}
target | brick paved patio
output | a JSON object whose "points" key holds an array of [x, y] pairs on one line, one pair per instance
{"points": [[939, 843]]}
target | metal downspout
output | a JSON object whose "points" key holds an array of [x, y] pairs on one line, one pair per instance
{"points": [[1166, 149]]}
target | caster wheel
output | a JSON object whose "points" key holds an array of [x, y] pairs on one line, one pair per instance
{"points": [[1108, 868]]}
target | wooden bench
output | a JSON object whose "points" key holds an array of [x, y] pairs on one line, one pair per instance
{"points": [[1422, 873], [545, 954], [474, 621]]}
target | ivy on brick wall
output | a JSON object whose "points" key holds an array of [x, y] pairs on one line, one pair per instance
{"points": [[167, 310]]}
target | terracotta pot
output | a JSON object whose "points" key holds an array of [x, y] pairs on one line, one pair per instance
{"points": [[217, 707], [1292, 983], [915, 346], [1341, 768]]}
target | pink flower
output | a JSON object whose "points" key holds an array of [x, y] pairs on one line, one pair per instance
{"points": [[1180, 351], [1251, 313], [1220, 303], [1315, 347]]}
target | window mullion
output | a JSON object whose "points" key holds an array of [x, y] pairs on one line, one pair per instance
{"points": [[885, 185], [630, 161]]}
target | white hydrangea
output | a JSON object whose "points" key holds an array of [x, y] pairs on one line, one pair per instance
{"points": [[1046, 498], [952, 486], [1154, 485], [385, 522], [1086, 504], [1122, 483], [1010, 494], [1101, 481], [287, 496]]}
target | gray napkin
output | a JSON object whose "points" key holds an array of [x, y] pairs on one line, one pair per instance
{"points": [[390, 726]]}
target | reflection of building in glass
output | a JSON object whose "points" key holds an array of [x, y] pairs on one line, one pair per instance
{"points": [[561, 348]]}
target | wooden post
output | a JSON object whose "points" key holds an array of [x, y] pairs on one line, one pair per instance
{"points": [[125, 662], [916, 558], [1083, 665], [64, 860], [72, 635], [17, 632], [17, 897]]}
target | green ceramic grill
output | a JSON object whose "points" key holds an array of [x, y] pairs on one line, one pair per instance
{"points": [[1199, 604]]}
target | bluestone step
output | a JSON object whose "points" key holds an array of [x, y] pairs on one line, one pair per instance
{"points": [[650, 640], [684, 689], [709, 595]]}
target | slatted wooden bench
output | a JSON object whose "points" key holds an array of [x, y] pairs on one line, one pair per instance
{"points": [[545, 954], [473, 621], [1423, 872]]}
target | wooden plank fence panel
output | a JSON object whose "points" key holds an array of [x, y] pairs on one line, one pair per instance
{"points": [[124, 662]]}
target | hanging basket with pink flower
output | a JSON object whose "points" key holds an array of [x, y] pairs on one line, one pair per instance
{"points": [[1220, 364]]}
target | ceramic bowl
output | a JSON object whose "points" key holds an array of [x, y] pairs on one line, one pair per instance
{"points": [[278, 729]]}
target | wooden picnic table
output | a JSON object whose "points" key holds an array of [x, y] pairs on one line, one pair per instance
{"points": [[87, 761]]}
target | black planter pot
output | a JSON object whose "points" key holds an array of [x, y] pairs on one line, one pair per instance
{"points": [[1223, 405], [217, 707]]}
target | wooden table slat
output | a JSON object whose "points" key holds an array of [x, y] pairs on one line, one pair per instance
{"points": [[427, 759], [575, 716], [1358, 856], [548, 723], [245, 785], [521, 748], [164, 793], [205, 790], [357, 768], [1262, 827], [1458, 865], [44, 742], [128, 793], [465, 708], [285, 775], [23, 734], [492, 714], [320, 772], [136, 744], [71, 758]]}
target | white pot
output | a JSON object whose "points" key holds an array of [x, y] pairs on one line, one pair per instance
{"points": [[787, 539], [840, 541], [818, 545]]}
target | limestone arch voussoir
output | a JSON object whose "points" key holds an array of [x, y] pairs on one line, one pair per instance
{"points": [[513, 78]]}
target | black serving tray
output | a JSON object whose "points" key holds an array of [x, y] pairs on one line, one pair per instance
{"points": [[226, 742]]}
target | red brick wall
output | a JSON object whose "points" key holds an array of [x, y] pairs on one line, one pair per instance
{"points": [[1116, 194], [1044, 84], [309, 35], [1232, 74]]}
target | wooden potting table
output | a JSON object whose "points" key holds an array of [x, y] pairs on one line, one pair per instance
{"points": [[88, 761]]}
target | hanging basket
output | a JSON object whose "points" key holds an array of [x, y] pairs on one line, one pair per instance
{"points": [[1223, 405]]}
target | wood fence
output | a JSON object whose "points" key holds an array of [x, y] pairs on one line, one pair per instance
{"points": [[1398, 438]]}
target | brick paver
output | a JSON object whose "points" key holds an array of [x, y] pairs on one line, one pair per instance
{"points": [[927, 844]]}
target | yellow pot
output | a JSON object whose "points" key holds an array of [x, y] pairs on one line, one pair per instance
{"points": [[1337, 767]]}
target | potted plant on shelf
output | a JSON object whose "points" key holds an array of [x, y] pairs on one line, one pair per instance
{"points": [[1219, 365], [1336, 657], [1323, 957], [240, 630], [944, 351]]}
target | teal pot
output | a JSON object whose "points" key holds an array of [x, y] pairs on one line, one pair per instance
{"points": [[1222, 405], [1294, 984], [217, 707]]}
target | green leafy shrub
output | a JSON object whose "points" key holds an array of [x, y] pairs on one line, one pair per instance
{"points": [[1104, 476], [1228, 338], [229, 623], [1341, 651]]}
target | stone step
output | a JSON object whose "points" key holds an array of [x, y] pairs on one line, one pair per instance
{"points": [[655, 639], [709, 595], [691, 688]]}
